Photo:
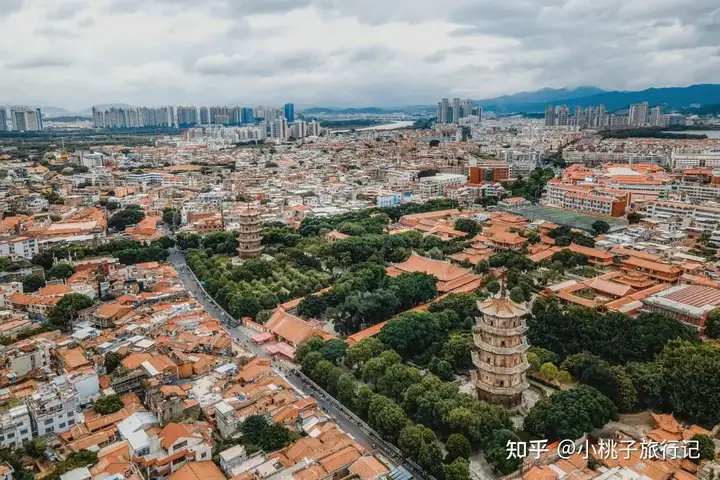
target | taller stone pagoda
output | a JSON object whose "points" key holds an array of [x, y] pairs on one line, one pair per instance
{"points": [[500, 356]]}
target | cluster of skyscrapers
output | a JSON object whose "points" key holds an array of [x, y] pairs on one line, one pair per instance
{"points": [[452, 113], [189, 116], [21, 119], [639, 115]]}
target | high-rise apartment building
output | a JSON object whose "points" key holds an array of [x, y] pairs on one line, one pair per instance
{"points": [[656, 117], [638, 114], [290, 112], [563, 115], [204, 116], [466, 108], [187, 117], [3, 120], [444, 111], [456, 110], [601, 117], [247, 116], [26, 119], [549, 116]]}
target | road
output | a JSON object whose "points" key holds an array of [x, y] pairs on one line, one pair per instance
{"points": [[242, 335]]}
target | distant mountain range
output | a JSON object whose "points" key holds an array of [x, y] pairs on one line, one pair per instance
{"points": [[675, 97], [670, 96], [678, 97]]}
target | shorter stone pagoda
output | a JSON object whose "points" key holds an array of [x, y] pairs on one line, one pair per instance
{"points": [[249, 234], [500, 357]]}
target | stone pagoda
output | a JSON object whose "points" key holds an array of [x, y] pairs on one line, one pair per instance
{"points": [[500, 357], [249, 235]]}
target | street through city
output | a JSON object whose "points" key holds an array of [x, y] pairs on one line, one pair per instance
{"points": [[243, 335]]}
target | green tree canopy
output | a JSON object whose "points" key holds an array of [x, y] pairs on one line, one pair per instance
{"points": [[125, 217], [570, 414], [108, 404], [61, 270], [62, 314], [32, 283]]}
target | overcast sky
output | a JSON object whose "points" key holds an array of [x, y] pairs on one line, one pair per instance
{"points": [[75, 53]]}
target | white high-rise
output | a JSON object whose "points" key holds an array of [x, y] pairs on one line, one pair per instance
{"points": [[638, 114], [26, 119]]}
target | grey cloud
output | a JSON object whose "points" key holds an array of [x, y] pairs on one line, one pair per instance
{"points": [[50, 31], [8, 7], [65, 12], [86, 22], [440, 55], [371, 54], [37, 62], [259, 7], [257, 66]]}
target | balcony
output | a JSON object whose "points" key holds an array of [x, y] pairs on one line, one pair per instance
{"points": [[486, 347], [503, 332], [485, 367]]}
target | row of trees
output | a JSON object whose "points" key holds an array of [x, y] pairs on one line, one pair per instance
{"points": [[126, 250], [408, 409], [256, 285]]}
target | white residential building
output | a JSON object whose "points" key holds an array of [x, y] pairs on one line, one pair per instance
{"points": [[54, 408], [15, 427], [435, 186], [691, 158], [698, 216], [19, 247]]}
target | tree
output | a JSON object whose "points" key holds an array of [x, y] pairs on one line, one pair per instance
{"points": [[396, 380], [600, 227], [123, 218], [359, 353], [706, 448], [412, 333], [111, 206], [434, 143], [61, 270], [62, 314], [334, 350], [112, 361], [172, 217], [689, 387], [493, 287], [32, 283], [241, 307], [35, 448], [457, 447], [274, 437], [634, 217], [497, 454], [79, 459], [441, 368], [456, 351], [386, 417], [471, 227], [108, 404], [712, 328], [459, 469], [253, 427], [613, 382], [570, 414], [516, 295], [312, 306]]}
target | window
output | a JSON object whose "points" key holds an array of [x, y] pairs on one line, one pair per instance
{"points": [[24, 431], [62, 425], [203, 455], [180, 445], [49, 429], [10, 435], [48, 421], [71, 421]]}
